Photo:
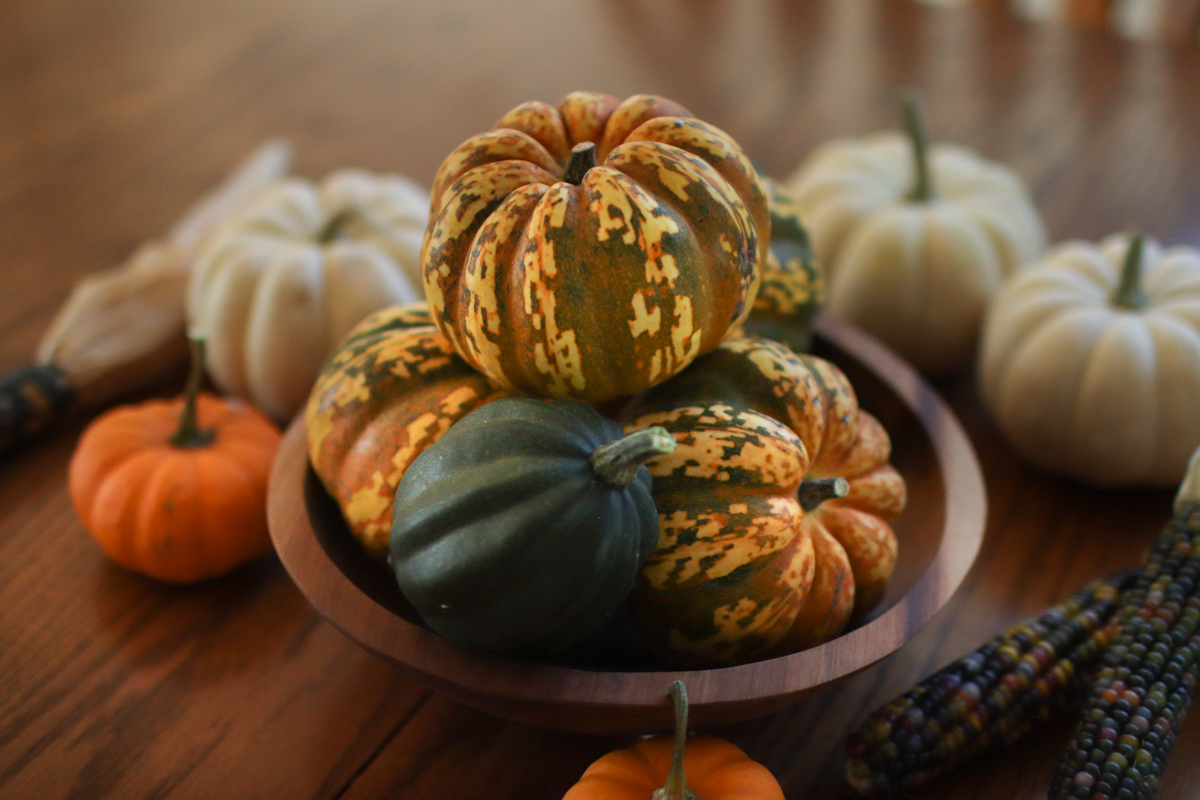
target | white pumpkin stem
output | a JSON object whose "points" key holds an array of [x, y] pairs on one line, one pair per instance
{"points": [[1189, 490], [190, 434], [914, 123], [333, 227], [814, 491], [1129, 292], [618, 462], [676, 785], [583, 158]]}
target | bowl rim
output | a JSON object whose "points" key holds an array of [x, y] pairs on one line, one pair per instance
{"points": [[435, 662]]}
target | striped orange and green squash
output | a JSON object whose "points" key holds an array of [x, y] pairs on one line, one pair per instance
{"points": [[750, 561], [393, 388], [793, 284], [592, 250]]}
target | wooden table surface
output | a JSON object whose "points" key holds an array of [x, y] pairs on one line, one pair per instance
{"points": [[115, 115]]}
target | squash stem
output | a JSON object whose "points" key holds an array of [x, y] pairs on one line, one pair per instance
{"points": [[1129, 294], [583, 158], [676, 785], [814, 491], [914, 122], [617, 462], [189, 434], [333, 227]]}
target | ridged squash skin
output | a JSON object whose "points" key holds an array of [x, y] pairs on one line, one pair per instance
{"points": [[741, 569], [601, 288], [505, 537], [793, 283], [917, 274], [278, 286], [392, 388], [1083, 387]]}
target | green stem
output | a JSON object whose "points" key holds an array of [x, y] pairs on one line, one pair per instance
{"points": [[914, 123], [814, 491], [1129, 293], [617, 462], [189, 434], [676, 785], [333, 227], [583, 158]]}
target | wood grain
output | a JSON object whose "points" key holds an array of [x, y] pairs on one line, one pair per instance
{"points": [[115, 116]]}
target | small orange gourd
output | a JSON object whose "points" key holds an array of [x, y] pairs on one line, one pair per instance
{"points": [[176, 489], [674, 768]]}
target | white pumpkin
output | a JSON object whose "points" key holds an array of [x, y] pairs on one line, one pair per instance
{"points": [[1090, 362], [277, 287], [915, 240]]}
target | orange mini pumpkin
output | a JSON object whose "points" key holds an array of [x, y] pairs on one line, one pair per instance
{"points": [[592, 250], [176, 489], [674, 768]]}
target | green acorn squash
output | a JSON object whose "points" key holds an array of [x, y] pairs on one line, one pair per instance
{"points": [[524, 526]]}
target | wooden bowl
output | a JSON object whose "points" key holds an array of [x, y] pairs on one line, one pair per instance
{"points": [[623, 691]]}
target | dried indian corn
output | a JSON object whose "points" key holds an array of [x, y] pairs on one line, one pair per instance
{"points": [[993, 696], [1146, 679]]}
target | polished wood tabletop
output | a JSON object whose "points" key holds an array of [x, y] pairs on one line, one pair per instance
{"points": [[116, 115]]}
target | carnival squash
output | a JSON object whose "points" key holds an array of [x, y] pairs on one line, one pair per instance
{"points": [[773, 509], [592, 250], [524, 525], [393, 387], [916, 238], [677, 768], [793, 282], [279, 285], [1090, 362], [176, 490]]}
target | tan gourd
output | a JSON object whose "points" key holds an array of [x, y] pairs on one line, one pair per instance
{"points": [[1090, 362], [915, 238], [277, 288]]}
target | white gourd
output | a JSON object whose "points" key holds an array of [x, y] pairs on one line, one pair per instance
{"points": [[1090, 362], [915, 238], [277, 288]]}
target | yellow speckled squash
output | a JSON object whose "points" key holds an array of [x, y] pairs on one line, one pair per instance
{"points": [[773, 509], [393, 388], [793, 282], [592, 250]]}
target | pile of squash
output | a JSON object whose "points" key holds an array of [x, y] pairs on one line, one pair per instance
{"points": [[579, 417]]}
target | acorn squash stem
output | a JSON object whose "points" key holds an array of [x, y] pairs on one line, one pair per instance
{"points": [[583, 158], [189, 434], [676, 785], [914, 123], [814, 491], [617, 462], [1129, 294]]}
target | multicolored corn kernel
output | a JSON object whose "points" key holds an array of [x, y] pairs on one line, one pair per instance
{"points": [[992, 696], [1145, 681]]}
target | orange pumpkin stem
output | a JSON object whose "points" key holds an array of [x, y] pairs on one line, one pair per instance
{"points": [[914, 123], [189, 434], [814, 491], [617, 462], [583, 158], [1129, 294], [676, 786]]}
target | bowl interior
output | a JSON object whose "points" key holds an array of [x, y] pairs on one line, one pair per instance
{"points": [[618, 646]]}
